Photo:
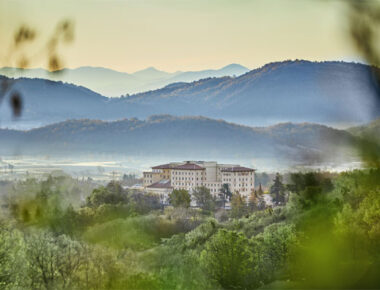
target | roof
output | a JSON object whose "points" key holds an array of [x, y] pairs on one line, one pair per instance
{"points": [[237, 169], [163, 166], [165, 183], [189, 166]]}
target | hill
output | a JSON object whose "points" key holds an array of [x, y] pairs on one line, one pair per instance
{"points": [[113, 83], [182, 137], [47, 102], [332, 93], [369, 130]]}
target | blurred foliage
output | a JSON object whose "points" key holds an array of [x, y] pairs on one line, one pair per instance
{"points": [[364, 23], [20, 56]]}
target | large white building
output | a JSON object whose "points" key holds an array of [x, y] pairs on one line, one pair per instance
{"points": [[191, 174]]}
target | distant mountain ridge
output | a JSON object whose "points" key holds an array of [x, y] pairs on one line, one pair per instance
{"points": [[113, 83], [330, 93], [184, 137]]}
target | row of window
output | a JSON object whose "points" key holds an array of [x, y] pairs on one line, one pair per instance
{"points": [[186, 173], [238, 179], [184, 185], [185, 178], [237, 173]]}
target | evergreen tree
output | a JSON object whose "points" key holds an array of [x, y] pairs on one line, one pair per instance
{"points": [[277, 189]]}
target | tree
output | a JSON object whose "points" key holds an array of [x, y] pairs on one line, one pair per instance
{"points": [[256, 200], [12, 259], [144, 203], [225, 194], [204, 198], [180, 198], [278, 189], [260, 198], [113, 193], [227, 258], [310, 187], [238, 205], [54, 262], [276, 242], [253, 200]]}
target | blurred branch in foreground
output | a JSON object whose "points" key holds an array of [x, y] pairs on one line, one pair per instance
{"points": [[364, 24], [16, 57]]}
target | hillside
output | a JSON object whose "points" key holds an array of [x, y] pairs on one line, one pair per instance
{"points": [[330, 93], [369, 130], [334, 93], [184, 137], [47, 102], [113, 83]]}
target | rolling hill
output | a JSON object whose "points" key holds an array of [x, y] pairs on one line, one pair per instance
{"points": [[330, 93], [183, 137], [113, 83]]}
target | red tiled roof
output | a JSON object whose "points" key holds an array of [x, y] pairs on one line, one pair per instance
{"points": [[188, 166], [161, 184], [237, 169], [163, 166]]}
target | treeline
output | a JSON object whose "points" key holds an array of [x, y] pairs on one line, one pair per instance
{"points": [[322, 232]]}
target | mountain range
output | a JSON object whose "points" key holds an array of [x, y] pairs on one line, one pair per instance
{"points": [[113, 83], [183, 137], [337, 94]]}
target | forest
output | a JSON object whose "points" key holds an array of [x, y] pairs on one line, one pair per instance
{"points": [[323, 231]]}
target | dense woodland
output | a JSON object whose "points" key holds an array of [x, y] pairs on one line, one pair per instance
{"points": [[322, 231]]}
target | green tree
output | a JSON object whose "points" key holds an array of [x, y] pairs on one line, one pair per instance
{"points": [[12, 259], [238, 205], [310, 187], [277, 190], [277, 243], [227, 258], [53, 262], [180, 198], [204, 198], [113, 193]]}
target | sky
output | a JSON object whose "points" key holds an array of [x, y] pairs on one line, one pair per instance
{"points": [[172, 35]]}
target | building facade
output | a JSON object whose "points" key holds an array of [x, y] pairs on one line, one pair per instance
{"points": [[192, 174]]}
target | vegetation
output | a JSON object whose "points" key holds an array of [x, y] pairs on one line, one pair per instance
{"points": [[325, 236], [277, 190], [204, 199], [180, 198]]}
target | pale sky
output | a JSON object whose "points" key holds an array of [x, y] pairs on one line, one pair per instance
{"points": [[171, 35]]}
